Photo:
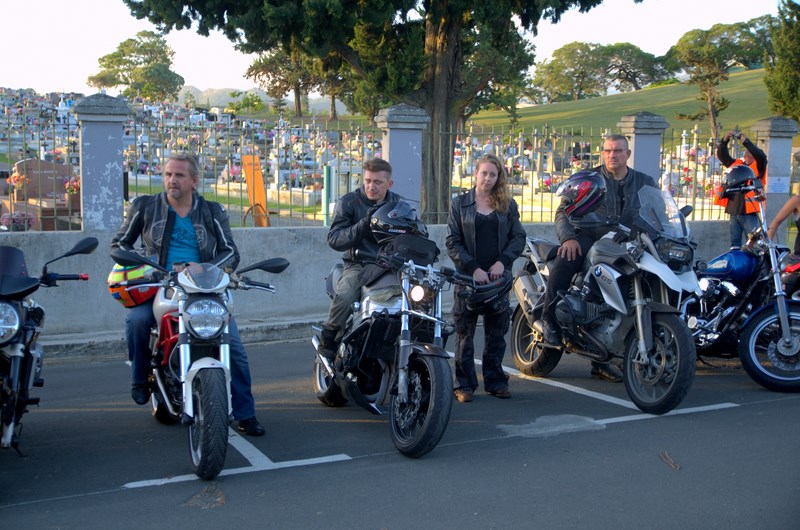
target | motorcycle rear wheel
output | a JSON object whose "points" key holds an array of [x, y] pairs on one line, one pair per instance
{"points": [[530, 357], [208, 433], [418, 425], [661, 385], [324, 387], [765, 359]]}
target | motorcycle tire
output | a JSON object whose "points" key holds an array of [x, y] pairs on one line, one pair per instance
{"points": [[661, 385], [208, 433], [530, 357], [419, 424], [326, 390], [763, 357]]}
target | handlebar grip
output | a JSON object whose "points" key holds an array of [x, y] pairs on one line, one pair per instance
{"points": [[52, 277], [449, 273], [259, 284], [364, 255]]}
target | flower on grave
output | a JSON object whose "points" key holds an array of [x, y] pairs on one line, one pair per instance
{"points": [[73, 185], [17, 180], [17, 222]]}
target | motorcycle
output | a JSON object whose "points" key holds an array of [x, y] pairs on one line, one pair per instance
{"points": [[21, 322], [790, 274], [619, 309], [190, 367], [392, 349], [744, 309]]}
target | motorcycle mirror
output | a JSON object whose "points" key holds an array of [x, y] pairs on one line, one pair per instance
{"points": [[127, 258], [687, 210], [273, 265], [84, 246]]}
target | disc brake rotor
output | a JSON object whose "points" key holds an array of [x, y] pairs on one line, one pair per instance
{"points": [[783, 356]]}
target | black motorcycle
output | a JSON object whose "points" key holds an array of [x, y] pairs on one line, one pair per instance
{"points": [[21, 321], [392, 349], [743, 308]]}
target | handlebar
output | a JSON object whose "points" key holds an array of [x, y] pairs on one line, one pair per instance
{"points": [[52, 278], [452, 274], [246, 283]]}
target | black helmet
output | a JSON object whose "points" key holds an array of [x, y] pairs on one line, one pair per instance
{"points": [[490, 298], [396, 218], [738, 176], [581, 195]]}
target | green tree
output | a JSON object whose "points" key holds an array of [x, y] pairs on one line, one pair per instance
{"points": [[783, 71], [707, 56], [279, 73], [631, 68], [189, 101], [576, 71], [143, 65], [413, 52]]}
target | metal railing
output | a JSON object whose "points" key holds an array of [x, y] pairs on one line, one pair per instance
{"points": [[294, 161]]}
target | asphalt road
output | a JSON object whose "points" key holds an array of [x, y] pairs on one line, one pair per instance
{"points": [[565, 452]]}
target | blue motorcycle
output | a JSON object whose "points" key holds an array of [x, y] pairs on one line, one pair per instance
{"points": [[745, 310]]}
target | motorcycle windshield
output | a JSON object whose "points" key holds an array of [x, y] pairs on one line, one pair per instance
{"points": [[206, 278], [660, 214], [12, 262]]}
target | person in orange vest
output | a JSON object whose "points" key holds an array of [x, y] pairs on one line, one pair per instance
{"points": [[744, 214]]}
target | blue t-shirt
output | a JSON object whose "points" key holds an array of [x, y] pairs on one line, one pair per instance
{"points": [[183, 246]]}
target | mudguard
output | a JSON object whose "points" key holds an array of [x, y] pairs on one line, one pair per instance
{"points": [[430, 350], [206, 363], [793, 304]]}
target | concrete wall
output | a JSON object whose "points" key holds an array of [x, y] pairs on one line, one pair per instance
{"points": [[82, 316]]}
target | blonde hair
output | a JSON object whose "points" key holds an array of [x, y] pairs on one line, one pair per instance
{"points": [[500, 197]]}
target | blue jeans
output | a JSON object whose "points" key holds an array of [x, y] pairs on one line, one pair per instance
{"points": [[137, 334], [741, 225]]}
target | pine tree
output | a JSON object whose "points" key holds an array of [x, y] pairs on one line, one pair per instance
{"points": [[783, 77]]}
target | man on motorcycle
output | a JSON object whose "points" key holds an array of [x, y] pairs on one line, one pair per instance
{"points": [[621, 205], [350, 231], [181, 228]]}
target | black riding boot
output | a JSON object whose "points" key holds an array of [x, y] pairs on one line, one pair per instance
{"points": [[327, 341]]}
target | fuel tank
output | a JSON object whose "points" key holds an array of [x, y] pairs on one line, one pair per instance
{"points": [[734, 265]]}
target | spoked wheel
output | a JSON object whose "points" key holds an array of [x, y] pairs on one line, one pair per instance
{"points": [[770, 361], [326, 389], [530, 357], [661, 384], [419, 424], [208, 434]]}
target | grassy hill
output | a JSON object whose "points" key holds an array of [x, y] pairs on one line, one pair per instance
{"points": [[745, 90]]}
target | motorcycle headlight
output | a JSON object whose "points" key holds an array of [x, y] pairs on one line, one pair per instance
{"points": [[10, 322], [417, 293], [676, 255], [206, 317]]}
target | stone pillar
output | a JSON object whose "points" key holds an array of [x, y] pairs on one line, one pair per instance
{"points": [[100, 119], [774, 137], [644, 130], [403, 129]]}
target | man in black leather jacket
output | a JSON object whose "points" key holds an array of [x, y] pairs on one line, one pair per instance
{"points": [[621, 206], [350, 231], [178, 225]]}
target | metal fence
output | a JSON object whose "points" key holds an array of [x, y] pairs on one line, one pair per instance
{"points": [[294, 162]]}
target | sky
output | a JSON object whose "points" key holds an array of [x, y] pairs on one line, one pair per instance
{"points": [[53, 46]]}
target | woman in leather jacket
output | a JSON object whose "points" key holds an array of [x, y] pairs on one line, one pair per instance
{"points": [[484, 237]]}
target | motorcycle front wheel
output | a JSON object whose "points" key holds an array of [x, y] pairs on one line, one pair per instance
{"points": [[660, 385], [767, 360], [208, 433], [325, 388], [530, 357], [419, 424]]}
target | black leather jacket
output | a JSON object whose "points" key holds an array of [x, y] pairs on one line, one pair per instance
{"points": [[621, 204], [460, 238], [347, 234], [150, 217]]}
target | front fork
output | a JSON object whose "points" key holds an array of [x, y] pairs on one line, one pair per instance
{"points": [[404, 351], [643, 323], [189, 371]]}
